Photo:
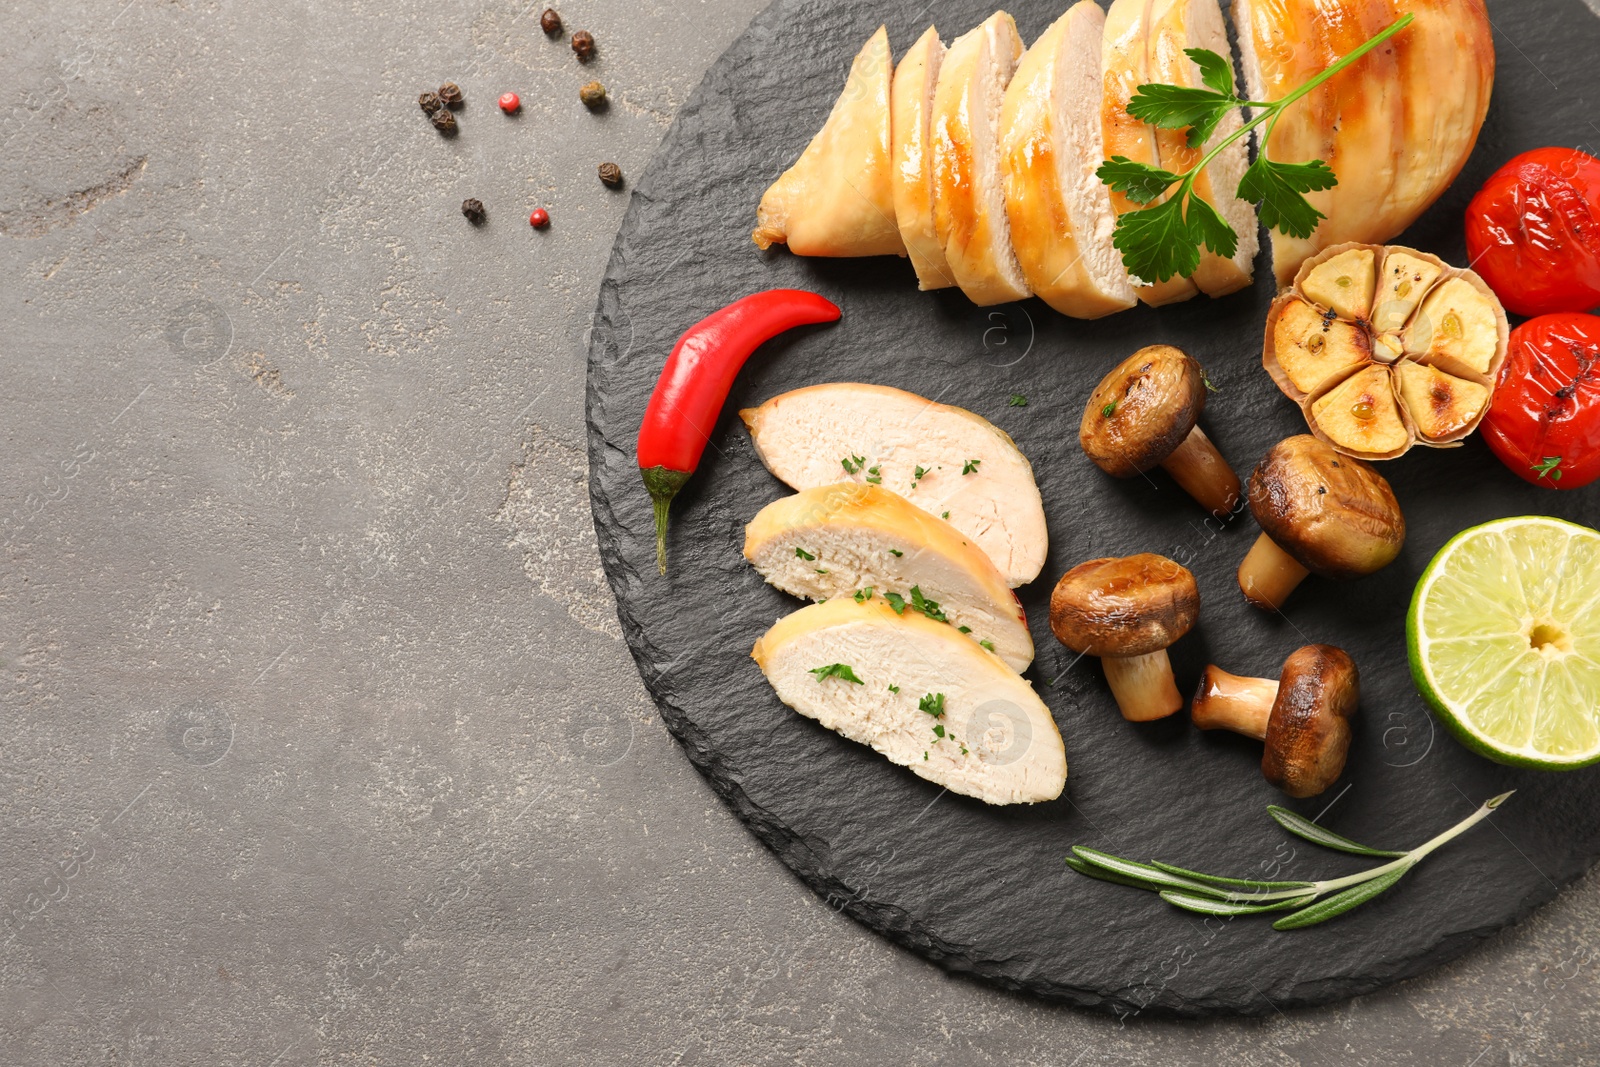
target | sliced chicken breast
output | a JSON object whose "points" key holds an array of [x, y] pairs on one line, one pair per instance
{"points": [[945, 460], [854, 539], [1060, 213], [911, 109], [1127, 66], [968, 190], [1176, 25], [838, 198], [1397, 126], [921, 695]]}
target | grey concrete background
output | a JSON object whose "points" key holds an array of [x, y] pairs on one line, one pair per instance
{"points": [[319, 744]]}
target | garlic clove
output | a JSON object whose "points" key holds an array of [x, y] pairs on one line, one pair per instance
{"points": [[1388, 348], [1457, 328], [1360, 414], [1311, 347], [1403, 282], [1344, 284], [1440, 404]]}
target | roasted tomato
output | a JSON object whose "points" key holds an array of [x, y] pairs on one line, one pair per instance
{"points": [[1533, 232], [1544, 422]]}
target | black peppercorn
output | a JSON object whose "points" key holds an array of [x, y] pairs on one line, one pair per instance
{"points": [[583, 44], [450, 93], [611, 174], [472, 208], [550, 22], [444, 121], [430, 102], [593, 95]]}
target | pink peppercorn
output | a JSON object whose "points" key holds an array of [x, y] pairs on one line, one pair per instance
{"points": [[539, 219], [510, 103]]}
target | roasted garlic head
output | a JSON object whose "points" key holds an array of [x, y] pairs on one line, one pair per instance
{"points": [[1386, 347]]}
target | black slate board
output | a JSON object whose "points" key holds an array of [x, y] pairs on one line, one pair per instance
{"points": [[980, 889]]}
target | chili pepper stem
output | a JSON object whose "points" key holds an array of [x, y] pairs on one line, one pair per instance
{"points": [[663, 484]]}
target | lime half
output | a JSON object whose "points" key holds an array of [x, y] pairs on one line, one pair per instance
{"points": [[1504, 639]]}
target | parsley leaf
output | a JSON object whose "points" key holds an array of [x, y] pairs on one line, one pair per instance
{"points": [[852, 464], [930, 608], [1172, 107], [894, 689], [1156, 242], [802, 553], [938, 730], [1210, 228], [1216, 71], [987, 644], [896, 552], [897, 602], [841, 671], [1139, 182], [966, 629], [873, 476], [1549, 468], [970, 466], [1017, 401], [1278, 186], [933, 704], [863, 595]]}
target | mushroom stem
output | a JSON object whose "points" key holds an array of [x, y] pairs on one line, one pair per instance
{"points": [[1228, 702], [1269, 574], [1200, 470], [1142, 685]]}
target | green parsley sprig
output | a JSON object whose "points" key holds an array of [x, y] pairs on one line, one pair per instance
{"points": [[1163, 241], [1550, 468]]}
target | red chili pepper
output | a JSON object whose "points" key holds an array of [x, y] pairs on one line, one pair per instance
{"points": [[695, 383]]}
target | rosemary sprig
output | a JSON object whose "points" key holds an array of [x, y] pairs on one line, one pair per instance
{"points": [[1313, 902], [1163, 241]]}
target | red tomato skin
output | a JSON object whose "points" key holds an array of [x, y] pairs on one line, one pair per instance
{"points": [[1533, 232], [1547, 402]]}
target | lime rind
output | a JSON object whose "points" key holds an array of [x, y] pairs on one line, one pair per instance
{"points": [[1472, 634]]}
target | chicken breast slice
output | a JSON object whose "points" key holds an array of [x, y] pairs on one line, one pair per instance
{"points": [[969, 205], [1176, 25], [855, 539], [1127, 66], [1050, 145], [911, 110], [919, 694], [838, 198], [945, 460]]}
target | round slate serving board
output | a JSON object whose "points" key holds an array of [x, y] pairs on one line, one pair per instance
{"points": [[981, 889]]}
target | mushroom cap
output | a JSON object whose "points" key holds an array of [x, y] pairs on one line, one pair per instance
{"points": [[1124, 607], [1337, 516], [1155, 397], [1308, 733]]}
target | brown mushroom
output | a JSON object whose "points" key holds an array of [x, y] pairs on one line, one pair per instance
{"points": [[1304, 717], [1127, 611], [1143, 415], [1321, 513]]}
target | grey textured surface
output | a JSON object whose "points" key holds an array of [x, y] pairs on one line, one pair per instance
{"points": [[983, 889], [307, 656]]}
